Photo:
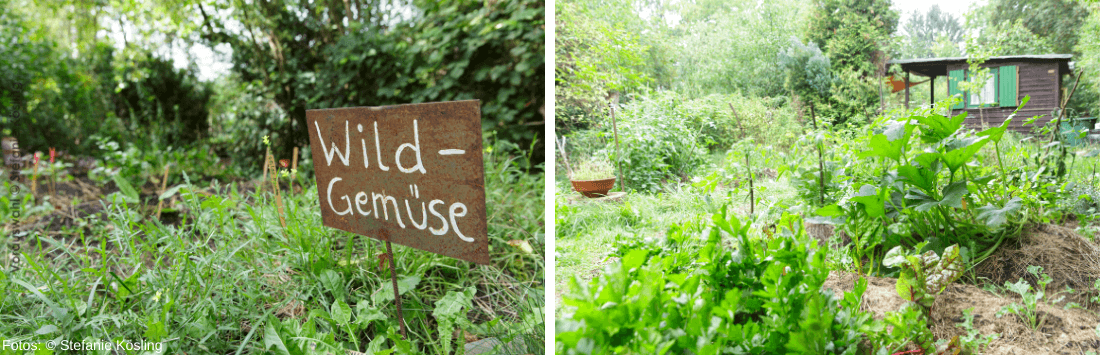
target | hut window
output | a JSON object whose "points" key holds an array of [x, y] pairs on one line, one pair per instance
{"points": [[1000, 89], [988, 94]]}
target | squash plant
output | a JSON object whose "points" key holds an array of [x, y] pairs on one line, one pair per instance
{"points": [[918, 182]]}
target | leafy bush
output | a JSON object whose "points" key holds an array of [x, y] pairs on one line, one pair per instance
{"points": [[760, 119], [657, 143]]}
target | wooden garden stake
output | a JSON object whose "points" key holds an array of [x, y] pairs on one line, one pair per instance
{"points": [[53, 174], [34, 180], [275, 187], [618, 157], [293, 168], [163, 186]]}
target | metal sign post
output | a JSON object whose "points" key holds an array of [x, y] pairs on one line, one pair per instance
{"points": [[408, 174]]}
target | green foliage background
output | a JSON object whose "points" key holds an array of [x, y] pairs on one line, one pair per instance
{"points": [[65, 81]]}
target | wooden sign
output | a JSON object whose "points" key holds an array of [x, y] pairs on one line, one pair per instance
{"points": [[410, 174]]}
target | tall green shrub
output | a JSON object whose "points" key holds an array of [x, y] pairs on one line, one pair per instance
{"points": [[657, 143]]}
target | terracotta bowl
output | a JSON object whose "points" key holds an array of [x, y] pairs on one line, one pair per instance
{"points": [[593, 188]]}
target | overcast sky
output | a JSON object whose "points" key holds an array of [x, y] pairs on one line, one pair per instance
{"points": [[954, 7]]}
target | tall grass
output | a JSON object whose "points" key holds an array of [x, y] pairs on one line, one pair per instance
{"points": [[230, 279]]}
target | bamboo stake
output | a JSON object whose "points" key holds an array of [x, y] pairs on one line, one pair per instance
{"points": [[163, 186]]}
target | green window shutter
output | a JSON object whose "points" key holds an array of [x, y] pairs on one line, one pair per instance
{"points": [[954, 78], [1007, 85]]}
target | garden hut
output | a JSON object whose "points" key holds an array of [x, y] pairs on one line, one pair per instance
{"points": [[1012, 78]]}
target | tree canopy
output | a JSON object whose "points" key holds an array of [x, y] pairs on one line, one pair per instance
{"points": [[103, 68]]}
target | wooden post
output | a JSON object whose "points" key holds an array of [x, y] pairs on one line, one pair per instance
{"points": [[932, 91], [163, 185], [34, 178], [906, 90], [618, 158]]}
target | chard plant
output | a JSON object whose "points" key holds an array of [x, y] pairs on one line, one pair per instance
{"points": [[926, 275]]}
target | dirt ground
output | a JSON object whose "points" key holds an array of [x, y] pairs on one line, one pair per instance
{"points": [[1068, 258]]}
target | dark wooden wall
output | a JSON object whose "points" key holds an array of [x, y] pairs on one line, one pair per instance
{"points": [[1040, 80]]}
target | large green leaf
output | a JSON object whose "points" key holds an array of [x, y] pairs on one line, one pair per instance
{"points": [[995, 217], [952, 197], [937, 127], [996, 133], [908, 287], [448, 311], [949, 268], [341, 313], [922, 171], [385, 293], [891, 143], [872, 202], [895, 257], [961, 150]]}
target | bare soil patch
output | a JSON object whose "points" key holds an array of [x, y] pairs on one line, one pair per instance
{"points": [[1067, 257], [1070, 259]]}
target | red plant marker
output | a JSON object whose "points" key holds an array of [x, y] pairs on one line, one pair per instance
{"points": [[53, 154], [35, 158], [284, 162]]}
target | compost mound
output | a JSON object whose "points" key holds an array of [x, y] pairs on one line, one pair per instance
{"points": [[1071, 261], [1062, 331]]}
